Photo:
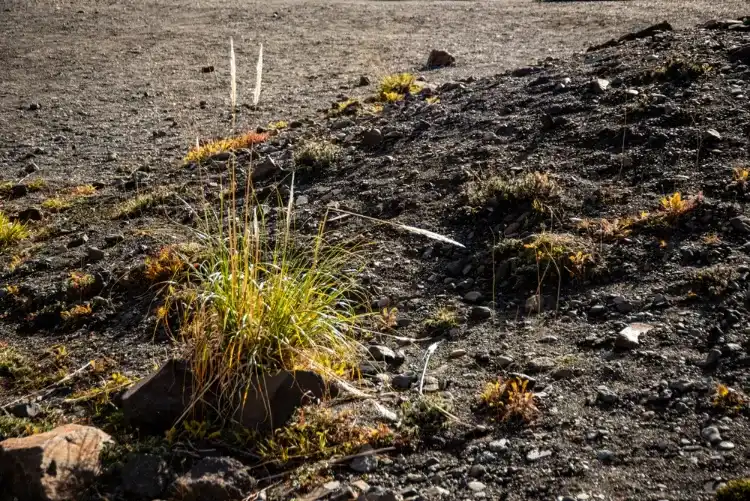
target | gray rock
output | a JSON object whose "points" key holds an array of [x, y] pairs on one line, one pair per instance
{"points": [[145, 475], [711, 435], [364, 81], [622, 305], [440, 58], [541, 364], [431, 384], [599, 85], [112, 156], [498, 446], [364, 464], [725, 446], [24, 410], [437, 492], [562, 373], [382, 353], [113, 239], [713, 357], [503, 361], [30, 214], [597, 310], [605, 395], [372, 137], [457, 353], [476, 486], [628, 338], [477, 471], [605, 456], [712, 135], [265, 169], [535, 455], [403, 381], [78, 241], [473, 296], [481, 313], [94, 254], [215, 478], [157, 401], [740, 224]]}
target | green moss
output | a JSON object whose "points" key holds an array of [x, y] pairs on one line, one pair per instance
{"points": [[735, 490], [426, 415]]}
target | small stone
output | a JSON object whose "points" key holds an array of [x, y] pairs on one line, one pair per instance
{"points": [[473, 296], [265, 169], [725, 446], [24, 410], [740, 224], [541, 364], [363, 81], [440, 58], [477, 471], [712, 135], [382, 353], [33, 106], [605, 456], [403, 381], [215, 478], [605, 395], [31, 167], [457, 353], [431, 384], [498, 446], [548, 339], [476, 486], [481, 313], [30, 214], [597, 310], [535, 455], [628, 338], [111, 156], [372, 137], [711, 435], [364, 464], [113, 239], [436, 492], [622, 305], [78, 241], [94, 254], [503, 361], [145, 476], [599, 85], [713, 357], [562, 373]]}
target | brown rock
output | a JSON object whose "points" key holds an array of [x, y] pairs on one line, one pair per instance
{"points": [[51, 466], [440, 58]]}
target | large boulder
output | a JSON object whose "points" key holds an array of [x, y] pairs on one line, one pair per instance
{"points": [[275, 398], [156, 402], [215, 479], [52, 466]]}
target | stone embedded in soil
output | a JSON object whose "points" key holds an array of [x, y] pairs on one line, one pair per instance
{"points": [[364, 81], [367, 463], [599, 85], [541, 364], [372, 137], [503, 361], [214, 478], [52, 466], [78, 241], [30, 214], [740, 224], [605, 456], [629, 337], [476, 486], [605, 395], [477, 471], [24, 409], [713, 357], [94, 254], [457, 353], [437, 492], [498, 446], [598, 310], [473, 296], [535, 455], [481, 312], [403, 381], [431, 384], [145, 475], [113, 239], [622, 305], [725, 446], [382, 353], [440, 58], [265, 169], [711, 435]]}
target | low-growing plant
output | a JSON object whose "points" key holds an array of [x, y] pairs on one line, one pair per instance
{"points": [[532, 188], [396, 87], [555, 252], [79, 280], [15, 427], [388, 318], [136, 205], [740, 175], [11, 231], [6, 187], [734, 490], [201, 153], [673, 206], [36, 184], [509, 400], [278, 125], [680, 69], [318, 432], [711, 239], [608, 229], [728, 400], [347, 107], [426, 415], [316, 155], [84, 190], [712, 280], [101, 394], [167, 264], [77, 312], [445, 318], [57, 204]]}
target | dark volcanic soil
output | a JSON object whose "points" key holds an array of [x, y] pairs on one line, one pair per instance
{"points": [[110, 99]]}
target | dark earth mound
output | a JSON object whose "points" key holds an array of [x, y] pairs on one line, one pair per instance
{"points": [[617, 132]]}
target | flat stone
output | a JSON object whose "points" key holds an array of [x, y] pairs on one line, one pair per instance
{"points": [[541, 364], [381, 353], [476, 486], [215, 478], [629, 337], [457, 353]]}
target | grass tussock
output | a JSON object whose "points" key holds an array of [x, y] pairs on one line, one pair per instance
{"points": [[167, 264], [14, 427], [395, 87], [80, 281], [509, 401], [734, 490], [557, 252], [318, 432], [201, 153], [316, 155], [426, 415], [533, 188], [36, 184], [76, 313], [57, 204], [265, 301], [11, 232], [444, 319], [140, 203]]}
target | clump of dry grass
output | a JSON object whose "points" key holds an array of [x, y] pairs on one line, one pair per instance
{"points": [[136, 205], [509, 400], [165, 265], [11, 232], [317, 432], [201, 153], [532, 187], [316, 154], [555, 252], [56, 204]]}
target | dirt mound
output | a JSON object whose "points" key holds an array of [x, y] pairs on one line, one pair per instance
{"points": [[589, 194]]}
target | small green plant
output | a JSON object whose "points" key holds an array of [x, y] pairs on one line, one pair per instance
{"points": [[75, 313], [142, 202], [201, 153], [36, 184], [316, 155], [348, 107], [56, 204], [6, 187], [80, 281], [680, 69], [535, 188], [712, 280], [11, 232], [166, 265], [85, 190], [388, 318], [554, 252], [395, 87], [317, 433], [734, 490], [426, 415], [278, 125], [740, 175], [509, 400], [101, 394], [728, 400], [444, 319], [14, 427]]}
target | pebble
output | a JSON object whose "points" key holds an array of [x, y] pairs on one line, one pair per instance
{"points": [[711, 434], [457, 353], [481, 313], [598, 310], [503, 361], [403, 381], [113, 239], [477, 471], [725, 446], [536, 454], [605, 395], [599, 85], [111, 156], [541, 364], [382, 353], [94, 254], [605, 456], [364, 464], [78, 241], [629, 337], [713, 357], [372, 137], [473, 296], [498, 445], [476, 486], [436, 491]]}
